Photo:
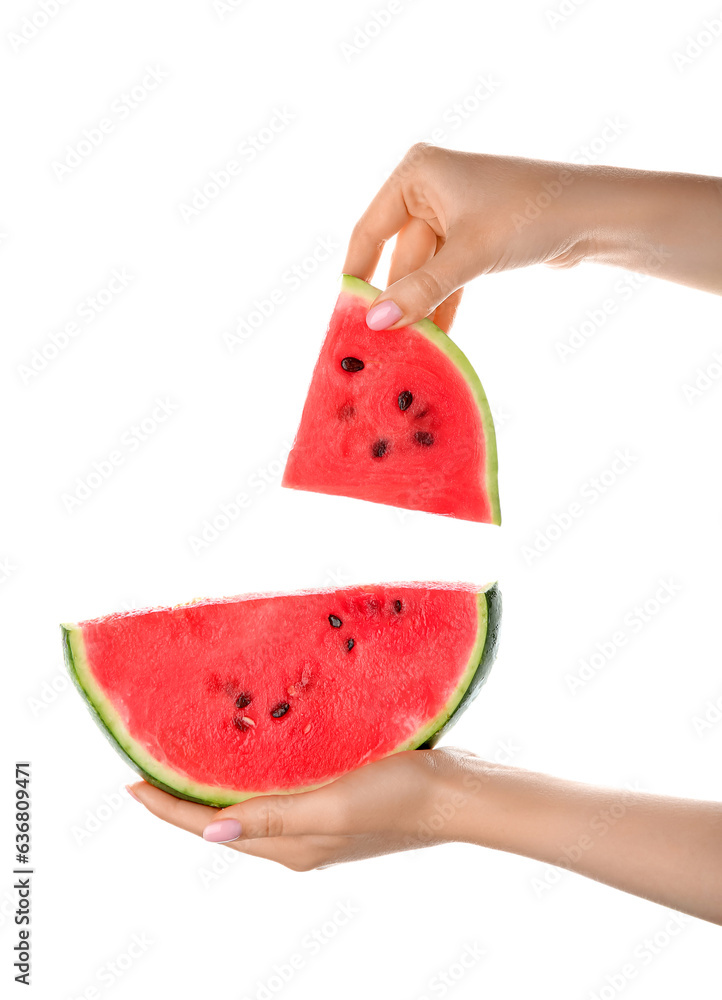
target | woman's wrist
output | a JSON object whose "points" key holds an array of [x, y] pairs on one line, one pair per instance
{"points": [[477, 801], [667, 225], [510, 809]]}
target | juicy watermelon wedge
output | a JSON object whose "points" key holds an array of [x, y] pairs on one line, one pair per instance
{"points": [[397, 417], [219, 700]]}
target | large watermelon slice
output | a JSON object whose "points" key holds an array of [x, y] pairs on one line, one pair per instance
{"points": [[218, 700], [398, 417]]}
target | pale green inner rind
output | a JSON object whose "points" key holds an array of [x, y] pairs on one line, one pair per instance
{"points": [[355, 286], [170, 780]]}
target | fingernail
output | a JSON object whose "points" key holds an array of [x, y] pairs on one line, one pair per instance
{"points": [[382, 316], [132, 794], [222, 831]]}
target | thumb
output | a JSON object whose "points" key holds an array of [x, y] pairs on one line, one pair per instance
{"points": [[265, 816], [418, 294]]}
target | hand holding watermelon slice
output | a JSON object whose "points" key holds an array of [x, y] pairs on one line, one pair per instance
{"points": [[219, 700], [395, 413], [665, 849], [459, 215]]}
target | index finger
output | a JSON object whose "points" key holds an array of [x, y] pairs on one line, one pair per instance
{"points": [[384, 217]]}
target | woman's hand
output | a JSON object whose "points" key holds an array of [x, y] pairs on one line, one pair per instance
{"points": [[665, 849], [459, 215], [377, 809]]}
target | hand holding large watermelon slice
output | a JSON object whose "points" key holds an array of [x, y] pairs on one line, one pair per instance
{"points": [[661, 848], [216, 701]]}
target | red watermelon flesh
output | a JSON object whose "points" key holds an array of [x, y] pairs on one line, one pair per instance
{"points": [[218, 700], [397, 417]]}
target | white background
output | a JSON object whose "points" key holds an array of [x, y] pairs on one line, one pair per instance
{"points": [[355, 111]]}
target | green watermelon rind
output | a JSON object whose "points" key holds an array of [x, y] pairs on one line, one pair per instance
{"points": [[486, 652], [170, 780], [429, 329]]}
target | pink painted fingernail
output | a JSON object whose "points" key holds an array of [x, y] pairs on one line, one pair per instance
{"points": [[132, 794], [222, 831], [382, 316]]}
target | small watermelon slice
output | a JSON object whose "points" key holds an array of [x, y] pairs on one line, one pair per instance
{"points": [[398, 417], [219, 700]]}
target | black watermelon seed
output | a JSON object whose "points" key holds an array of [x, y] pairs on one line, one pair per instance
{"points": [[405, 400], [240, 724], [335, 622], [243, 700], [350, 644], [423, 437], [280, 710], [379, 448], [352, 364], [422, 414], [398, 607]]}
